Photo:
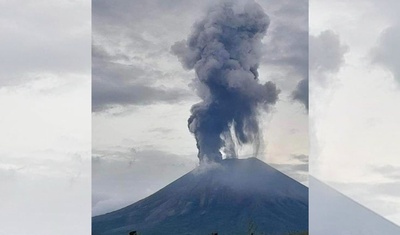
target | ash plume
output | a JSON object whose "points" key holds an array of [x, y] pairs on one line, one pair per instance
{"points": [[224, 49]]}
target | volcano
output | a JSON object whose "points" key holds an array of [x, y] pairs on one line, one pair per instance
{"points": [[235, 196]]}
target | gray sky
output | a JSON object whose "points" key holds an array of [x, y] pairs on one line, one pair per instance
{"points": [[354, 84], [140, 139], [45, 120]]}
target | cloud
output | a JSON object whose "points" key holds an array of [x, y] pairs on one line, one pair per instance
{"points": [[287, 41], [326, 52], [286, 45], [287, 38], [389, 189], [387, 171], [326, 56], [298, 172], [123, 175], [387, 52], [117, 83], [107, 95], [301, 93], [132, 14], [302, 158], [33, 42], [297, 169], [41, 186], [132, 63], [31, 200]]}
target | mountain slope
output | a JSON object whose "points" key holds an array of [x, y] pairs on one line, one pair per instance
{"points": [[332, 213], [227, 198]]}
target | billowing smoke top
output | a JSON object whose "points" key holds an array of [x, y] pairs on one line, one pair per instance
{"points": [[225, 50]]}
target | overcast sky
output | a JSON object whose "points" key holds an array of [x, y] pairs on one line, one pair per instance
{"points": [[354, 84], [45, 118], [142, 95]]}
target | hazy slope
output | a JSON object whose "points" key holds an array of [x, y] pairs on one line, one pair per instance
{"points": [[225, 198], [332, 213]]}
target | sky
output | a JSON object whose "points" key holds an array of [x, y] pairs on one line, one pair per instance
{"points": [[45, 138], [354, 90], [142, 96]]}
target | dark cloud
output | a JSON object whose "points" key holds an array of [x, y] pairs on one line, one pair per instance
{"points": [[286, 45], [287, 40], [301, 93], [116, 83], [387, 52]]}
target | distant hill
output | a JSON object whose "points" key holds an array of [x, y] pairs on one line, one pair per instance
{"points": [[233, 197]]}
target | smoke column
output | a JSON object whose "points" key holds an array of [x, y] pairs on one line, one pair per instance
{"points": [[224, 49]]}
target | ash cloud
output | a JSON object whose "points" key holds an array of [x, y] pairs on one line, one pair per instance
{"points": [[224, 49]]}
